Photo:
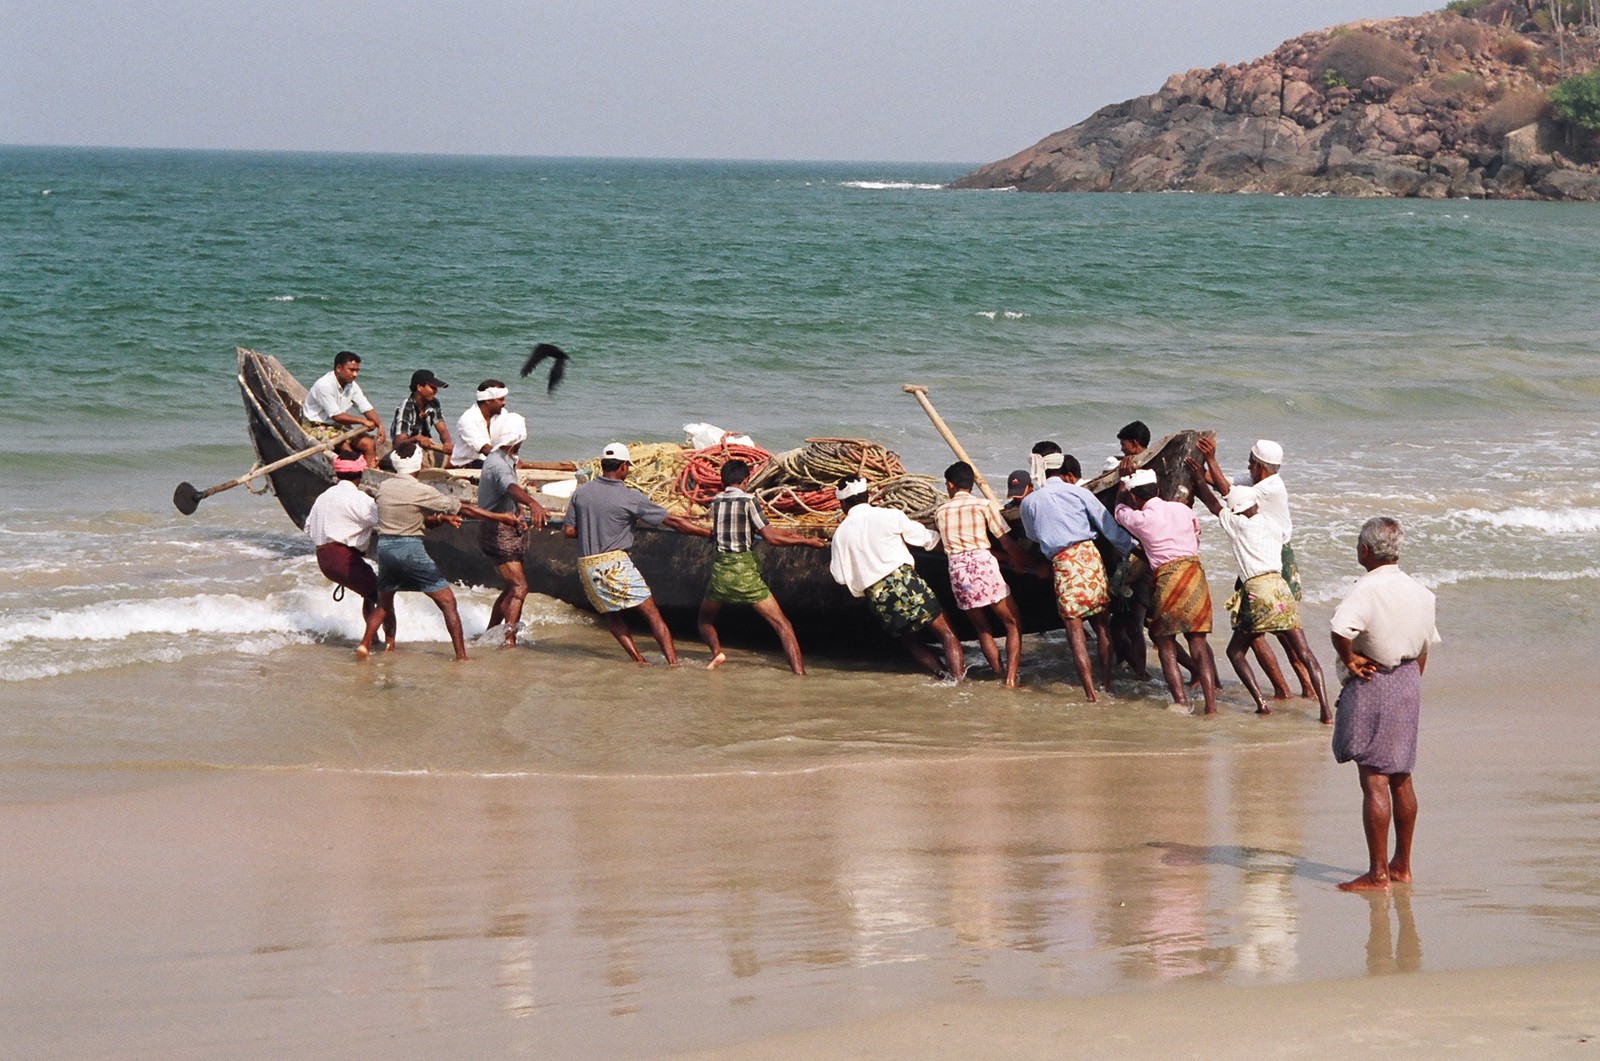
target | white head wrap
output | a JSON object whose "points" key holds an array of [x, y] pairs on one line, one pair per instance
{"points": [[407, 465], [1241, 498], [850, 489], [1039, 463], [1111, 462], [508, 429], [489, 394], [1267, 452], [1142, 477]]}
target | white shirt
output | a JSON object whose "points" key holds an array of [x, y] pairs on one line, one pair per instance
{"points": [[472, 434], [342, 513], [1388, 616], [1257, 546], [1273, 497], [326, 400], [871, 542]]}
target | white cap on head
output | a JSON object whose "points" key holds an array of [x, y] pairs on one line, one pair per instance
{"points": [[407, 465], [1111, 462], [1142, 477], [1241, 498], [508, 429], [489, 394], [616, 451], [850, 489], [1267, 452]]}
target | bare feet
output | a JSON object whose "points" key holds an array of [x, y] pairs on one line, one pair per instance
{"points": [[1263, 709], [1012, 683], [362, 652], [1399, 874], [1367, 882], [390, 646], [716, 661]]}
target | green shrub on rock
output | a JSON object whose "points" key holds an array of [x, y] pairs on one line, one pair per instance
{"points": [[1350, 58], [1577, 100]]}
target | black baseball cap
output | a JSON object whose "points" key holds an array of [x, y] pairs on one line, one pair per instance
{"points": [[1018, 482], [422, 375]]}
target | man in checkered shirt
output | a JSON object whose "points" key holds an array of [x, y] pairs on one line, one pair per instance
{"points": [[736, 522]]}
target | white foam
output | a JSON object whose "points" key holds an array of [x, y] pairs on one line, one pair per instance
{"points": [[1547, 521], [892, 186]]}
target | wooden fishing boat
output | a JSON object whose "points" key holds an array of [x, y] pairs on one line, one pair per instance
{"points": [[677, 566]]}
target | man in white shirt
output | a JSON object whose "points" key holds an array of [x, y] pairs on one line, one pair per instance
{"points": [[326, 413], [341, 524], [871, 560], [1381, 632], [475, 429]]}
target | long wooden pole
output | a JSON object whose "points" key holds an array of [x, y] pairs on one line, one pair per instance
{"points": [[921, 394], [187, 498]]}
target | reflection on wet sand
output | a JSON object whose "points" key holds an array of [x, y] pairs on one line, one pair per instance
{"points": [[1387, 951]]}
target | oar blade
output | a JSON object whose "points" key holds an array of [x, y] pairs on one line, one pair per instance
{"points": [[186, 498]]}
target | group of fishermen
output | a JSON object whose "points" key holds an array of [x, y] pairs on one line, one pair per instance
{"points": [[1132, 568]]}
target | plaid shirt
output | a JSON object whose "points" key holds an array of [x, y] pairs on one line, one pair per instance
{"points": [[966, 521], [407, 421], [736, 519]]}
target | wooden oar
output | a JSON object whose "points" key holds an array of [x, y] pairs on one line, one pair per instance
{"points": [[187, 498], [921, 394]]}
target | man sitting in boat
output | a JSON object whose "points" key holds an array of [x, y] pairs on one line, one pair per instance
{"points": [[601, 515], [870, 559], [420, 415], [473, 429], [325, 413], [737, 522]]}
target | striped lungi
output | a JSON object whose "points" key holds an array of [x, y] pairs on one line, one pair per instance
{"points": [[1182, 599], [1080, 581], [1376, 720], [1265, 605], [975, 579], [611, 582]]}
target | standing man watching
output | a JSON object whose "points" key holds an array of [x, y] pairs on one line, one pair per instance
{"points": [[870, 559], [1063, 518], [506, 544], [1381, 632], [602, 515], [420, 415], [473, 429], [405, 508], [341, 525], [736, 522], [325, 412]]}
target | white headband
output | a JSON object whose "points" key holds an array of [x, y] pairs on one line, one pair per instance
{"points": [[1142, 477], [489, 394], [851, 489], [1038, 464]]}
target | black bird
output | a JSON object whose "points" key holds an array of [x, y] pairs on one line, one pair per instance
{"points": [[557, 370]]}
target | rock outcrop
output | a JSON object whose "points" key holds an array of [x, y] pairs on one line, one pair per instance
{"points": [[1433, 106]]}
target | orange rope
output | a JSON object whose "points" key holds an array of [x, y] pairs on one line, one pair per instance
{"points": [[701, 478]]}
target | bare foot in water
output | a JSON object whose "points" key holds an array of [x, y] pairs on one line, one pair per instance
{"points": [[1263, 709], [390, 646], [1367, 882], [716, 661], [1399, 874], [362, 652]]}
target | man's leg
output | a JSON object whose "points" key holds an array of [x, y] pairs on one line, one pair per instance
{"points": [[1239, 656], [769, 610], [1375, 814], [1269, 666], [1080, 656], [382, 614], [659, 631], [508, 606], [1103, 647], [707, 621], [446, 600], [1305, 661], [1200, 651], [1404, 798], [1167, 652], [1013, 627], [618, 625], [979, 618], [955, 661]]}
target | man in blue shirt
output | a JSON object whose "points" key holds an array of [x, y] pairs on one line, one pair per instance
{"points": [[1063, 518]]}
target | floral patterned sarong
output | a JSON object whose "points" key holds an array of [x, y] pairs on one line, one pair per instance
{"points": [[611, 582], [1182, 599], [975, 579], [903, 602], [1265, 605], [1080, 581]]}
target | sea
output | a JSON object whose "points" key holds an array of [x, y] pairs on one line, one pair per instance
{"points": [[1434, 361]]}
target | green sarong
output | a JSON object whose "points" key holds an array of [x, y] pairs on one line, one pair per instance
{"points": [[736, 579]]}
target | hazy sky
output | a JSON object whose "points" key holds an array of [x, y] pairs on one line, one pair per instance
{"points": [[935, 80]]}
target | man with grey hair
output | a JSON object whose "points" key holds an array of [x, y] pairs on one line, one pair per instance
{"points": [[1381, 633]]}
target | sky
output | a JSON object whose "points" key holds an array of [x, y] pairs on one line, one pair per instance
{"points": [[848, 80]]}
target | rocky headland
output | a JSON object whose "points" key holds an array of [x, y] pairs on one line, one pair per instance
{"points": [[1436, 106]]}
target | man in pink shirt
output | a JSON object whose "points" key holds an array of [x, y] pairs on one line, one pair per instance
{"points": [[1169, 533]]}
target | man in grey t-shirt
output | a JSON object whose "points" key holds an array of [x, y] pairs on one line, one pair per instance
{"points": [[601, 515], [505, 546]]}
